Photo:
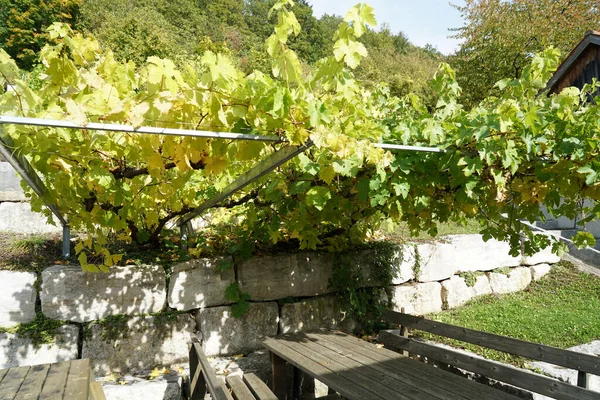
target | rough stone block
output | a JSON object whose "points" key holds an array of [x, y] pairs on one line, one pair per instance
{"points": [[156, 389], [277, 277], [10, 184], [456, 292], [518, 279], [68, 293], [18, 350], [223, 334], [18, 217], [539, 271], [405, 263], [138, 343], [541, 257], [420, 298], [443, 259], [312, 314], [198, 284], [17, 298]]}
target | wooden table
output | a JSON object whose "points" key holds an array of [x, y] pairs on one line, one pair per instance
{"points": [[357, 369], [72, 380]]}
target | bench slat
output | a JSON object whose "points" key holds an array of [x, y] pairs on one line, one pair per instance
{"points": [[552, 355], [12, 382], [259, 389], [33, 382], [238, 389], [215, 387], [505, 373]]}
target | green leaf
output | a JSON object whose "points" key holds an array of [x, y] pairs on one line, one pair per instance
{"points": [[317, 197]]}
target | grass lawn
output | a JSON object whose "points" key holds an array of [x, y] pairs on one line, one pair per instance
{"points": [[562, 310], [402, 233]]}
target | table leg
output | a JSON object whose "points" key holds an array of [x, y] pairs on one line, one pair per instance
{"points": [[278, 376], [304, 386]]}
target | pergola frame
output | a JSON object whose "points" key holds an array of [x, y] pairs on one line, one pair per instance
{"points": [[18, 161]]}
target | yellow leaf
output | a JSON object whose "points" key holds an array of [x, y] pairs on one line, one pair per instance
{"points": [[215, 165], [155, 165], [326, 174]]}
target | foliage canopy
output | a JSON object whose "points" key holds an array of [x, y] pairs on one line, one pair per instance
{"points": [[502, 158]]}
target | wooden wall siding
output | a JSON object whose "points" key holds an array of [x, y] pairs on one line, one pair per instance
{"points": [[582, 71]]}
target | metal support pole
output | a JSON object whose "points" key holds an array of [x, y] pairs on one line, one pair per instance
{"points": [[267, 165], [66, 242]]}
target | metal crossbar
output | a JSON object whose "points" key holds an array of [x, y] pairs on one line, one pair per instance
{"points": [[276, 159]]}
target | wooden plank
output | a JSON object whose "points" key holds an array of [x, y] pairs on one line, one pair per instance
{"points": [[12, 382], [343, 384], [418, 381], [33, 382], [238, 389], [435, 376], [56, 381], [78, 381], [96, 391], [2, 374], [583, 379], [388, 385], [215, 387], [502, 372], [197, 383], [553, 355], [259, 389]]}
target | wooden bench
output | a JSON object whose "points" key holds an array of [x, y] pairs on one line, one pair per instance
{"points": [[203, 379], [69, 380], [583, 363]]}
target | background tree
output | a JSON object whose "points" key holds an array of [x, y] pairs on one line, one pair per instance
{"points": [[23, 24], [501, 37]]}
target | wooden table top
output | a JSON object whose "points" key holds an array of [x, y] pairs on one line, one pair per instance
{"points": [[360, 370], [64, 380]]}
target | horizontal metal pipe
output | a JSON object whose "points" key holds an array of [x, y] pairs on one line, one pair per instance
{"points": [[147, 130], [387, 146]]}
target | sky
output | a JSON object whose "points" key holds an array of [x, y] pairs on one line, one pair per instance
{"points": [[423, 21]]}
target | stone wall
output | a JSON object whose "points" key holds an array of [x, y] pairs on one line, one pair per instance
{"points": [[136, 317]]}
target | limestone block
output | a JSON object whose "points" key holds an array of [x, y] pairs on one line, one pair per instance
{"points": [[280, 276], [18, 217], [419, 298], [541, 257], [482, 286], [312, 314], [539, 271], [461, 253], [400, 265], [68, 293], [456, 292], [17, 298], [138, 343], [518, 279], [405, 263], [198, 284], [223, 334], [138, 389], [18, 350], [10, 184]]}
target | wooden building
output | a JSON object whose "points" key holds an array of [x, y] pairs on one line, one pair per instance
{"points": [[580, 67]]}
